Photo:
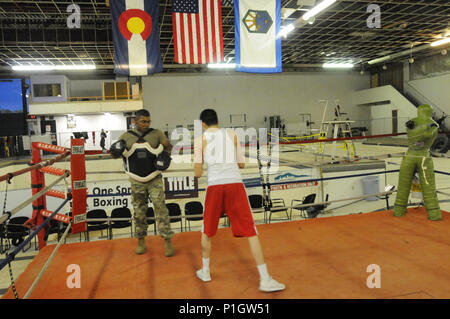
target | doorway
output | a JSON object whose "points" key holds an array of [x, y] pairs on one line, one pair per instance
{"points": [[394, 122]]}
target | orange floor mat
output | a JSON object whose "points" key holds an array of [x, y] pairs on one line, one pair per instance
{"points": [[320, 258]]}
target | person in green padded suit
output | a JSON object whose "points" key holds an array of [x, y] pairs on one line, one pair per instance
{"points": [[422, 132]]}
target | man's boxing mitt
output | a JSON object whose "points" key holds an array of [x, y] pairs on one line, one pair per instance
{"points": [[162, 161], [117, 148]]}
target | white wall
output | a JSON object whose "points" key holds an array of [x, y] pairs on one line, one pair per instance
{"points": [[90, 123], [436, 89], [383, 113], [381, 119], [176, 99]]}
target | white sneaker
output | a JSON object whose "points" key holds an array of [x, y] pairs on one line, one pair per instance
{"points": [[203, 275], [270, 285]]}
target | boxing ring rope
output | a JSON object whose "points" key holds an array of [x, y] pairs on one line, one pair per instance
{"points": [[47, 263], [9, 176], [264, 184], [11, 256], [5, 217], [309, 141], [274, 210], [41, 217], [176, 148], [65, 153], [39, 190], [278, 208]]}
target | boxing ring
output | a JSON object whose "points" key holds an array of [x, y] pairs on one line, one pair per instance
{"points": [[323, 258], [318, 258]]}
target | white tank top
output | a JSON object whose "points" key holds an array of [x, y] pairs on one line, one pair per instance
{"points": [[220, 158]]}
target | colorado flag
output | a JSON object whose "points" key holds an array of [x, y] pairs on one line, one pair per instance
{"points": [[135, 33], [257, 23]]}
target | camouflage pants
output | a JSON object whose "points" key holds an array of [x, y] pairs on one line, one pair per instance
{"points": [[139, 198]]}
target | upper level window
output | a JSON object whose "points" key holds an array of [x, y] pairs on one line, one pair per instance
{"points": [[46, 90]]}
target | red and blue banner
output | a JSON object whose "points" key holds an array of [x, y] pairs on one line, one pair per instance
{"points": [[135, 30]]}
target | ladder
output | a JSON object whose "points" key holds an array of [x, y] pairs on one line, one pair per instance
{"points": [[344, 126]]}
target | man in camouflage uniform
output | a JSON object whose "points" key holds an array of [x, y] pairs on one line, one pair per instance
{"points": [[140, 191]]}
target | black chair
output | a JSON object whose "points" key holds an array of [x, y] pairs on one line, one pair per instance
{"points": [[4, 241], [192, 208], [278, 205], [256, 204], [57, 227], [16, 232], [175, 210], [315, 210], [226, 219], [53, 229], [306, 200], [151, 214], [120, 212], [63, 227], [96, 225]]}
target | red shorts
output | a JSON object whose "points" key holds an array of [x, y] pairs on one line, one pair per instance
{"points": [[232, 200]]}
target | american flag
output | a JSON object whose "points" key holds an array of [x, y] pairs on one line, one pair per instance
{"points": [[197, 29]]}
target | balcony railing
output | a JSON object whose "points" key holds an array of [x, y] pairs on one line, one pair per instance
{"points": [[127, 97]]}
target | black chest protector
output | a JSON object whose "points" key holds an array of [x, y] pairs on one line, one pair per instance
{"points": [[139, 160]]}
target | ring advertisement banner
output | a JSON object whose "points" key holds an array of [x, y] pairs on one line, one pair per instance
{"points": [[105, 193], [284, 180]]}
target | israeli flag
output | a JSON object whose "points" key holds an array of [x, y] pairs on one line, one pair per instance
{"points": [[257, 23]]}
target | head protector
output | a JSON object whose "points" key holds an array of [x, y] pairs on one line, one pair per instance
{"points": [[425, 111]]}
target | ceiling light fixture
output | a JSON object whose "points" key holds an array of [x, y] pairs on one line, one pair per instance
{"points": [[285, 30], [375, 61], [317, 9], [222, 66], [338, 65], [440, 42], [52, 67]]}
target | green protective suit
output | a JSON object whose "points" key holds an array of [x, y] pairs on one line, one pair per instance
{"points": [[421, 131]]}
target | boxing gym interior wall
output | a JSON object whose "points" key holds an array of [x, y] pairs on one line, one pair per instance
{"points": [[257, 96], [431, 88], [92, 125]]}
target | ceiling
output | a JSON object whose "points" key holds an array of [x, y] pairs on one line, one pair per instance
{"points": [[36, 32]]}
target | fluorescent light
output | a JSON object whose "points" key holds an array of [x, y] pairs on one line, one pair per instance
{"points": [[222, 66], [75, 67], [107, 114], [440, 42], [286, 29], [338, 65], [318, 8], [52, 67], [375, 61], [32, 68]]}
